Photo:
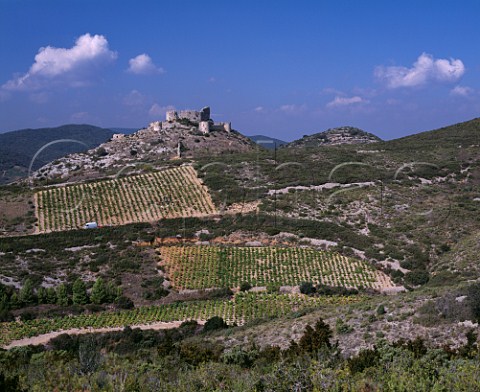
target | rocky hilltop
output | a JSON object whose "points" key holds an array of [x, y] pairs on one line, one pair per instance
{"points": [[335, 136], [184, 134]]}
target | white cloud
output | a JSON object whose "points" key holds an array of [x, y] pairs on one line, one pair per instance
{"points": [[344, 101], [156, 110], [72, 66], [425, 69], [293, 109], [143, 65], [259, 109], [134, 98], [212, 79], [462, 91]]}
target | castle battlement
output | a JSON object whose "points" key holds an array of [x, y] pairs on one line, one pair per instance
{"points": [[202, 118], [191, 115]]}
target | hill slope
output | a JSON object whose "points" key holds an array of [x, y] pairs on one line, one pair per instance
{"points": [[150, 145], [17, 148], [335, 136], [463, 134]]}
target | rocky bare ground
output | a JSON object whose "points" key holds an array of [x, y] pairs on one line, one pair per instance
{"points": [[335, 136], [149, 146], [361, 326]]}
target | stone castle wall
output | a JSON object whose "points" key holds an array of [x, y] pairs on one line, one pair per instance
{"points": [[205, 124], [222, 126], [192, 115]]}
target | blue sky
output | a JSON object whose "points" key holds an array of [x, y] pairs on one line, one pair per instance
{"points": [[280, 68]]}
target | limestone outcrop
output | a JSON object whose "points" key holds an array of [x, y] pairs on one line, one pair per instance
{"points": [[335, 136], [183, 134]]}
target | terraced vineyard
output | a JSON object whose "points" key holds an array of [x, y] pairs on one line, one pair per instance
{"points": [[242, 308], [199, 267], [170, 193]]}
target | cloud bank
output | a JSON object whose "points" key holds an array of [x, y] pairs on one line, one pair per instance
{"points": [[73, 66], [425, 69], [134, 98], [143, 65], [462, 91], [292, 109], [344, 101]]}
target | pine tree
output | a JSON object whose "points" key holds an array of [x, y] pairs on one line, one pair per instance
{"points": [[14, 302], [314, 339], [51, 296], [112, 292], [5, 314], [62, 295], [80, 296], [26, 296], [99, 292], [41, 295]]}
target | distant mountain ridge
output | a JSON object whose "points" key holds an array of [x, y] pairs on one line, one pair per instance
{"points": [[335, 136], [17, 148], [267, 142]]}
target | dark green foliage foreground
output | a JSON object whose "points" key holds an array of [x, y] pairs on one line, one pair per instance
{"points": [[188, 359]]}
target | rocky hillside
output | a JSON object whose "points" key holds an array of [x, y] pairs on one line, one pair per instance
{"points": [[18, 149], [150, 145], [335, 136]]}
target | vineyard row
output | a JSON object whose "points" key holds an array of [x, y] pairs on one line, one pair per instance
{"points": [[148, 197], [242, 308], [200, 267]]}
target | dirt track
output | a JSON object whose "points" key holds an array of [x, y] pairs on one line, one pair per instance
{"points": [[45, 338]]}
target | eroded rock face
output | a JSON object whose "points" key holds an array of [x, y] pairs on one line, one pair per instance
{"points": [[159, 141], [335, 136]]}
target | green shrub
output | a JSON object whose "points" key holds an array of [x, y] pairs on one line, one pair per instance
{"points": [[342, 327], [314, 339], [417, 277], [196, 353], [273, 287], [381, 310], [473, 294], [123, 302], [239, 356], [218, 293], [307, 288], [214, 323], [245, 286], [334, 290], [364, 360]]}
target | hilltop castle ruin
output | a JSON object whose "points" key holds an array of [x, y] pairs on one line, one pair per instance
{"points": [[200, 119], [182, 133]]}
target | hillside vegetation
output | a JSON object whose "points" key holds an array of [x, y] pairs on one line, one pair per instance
{"points": [[269, 268]]}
